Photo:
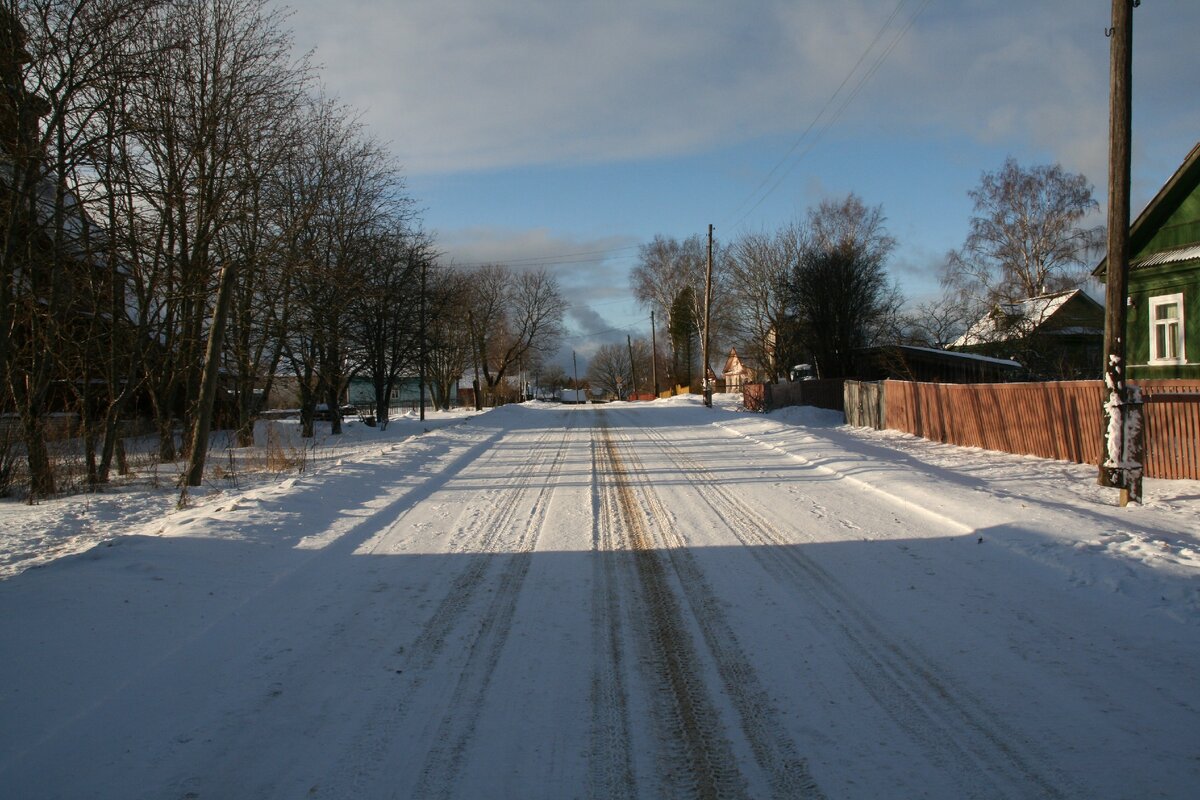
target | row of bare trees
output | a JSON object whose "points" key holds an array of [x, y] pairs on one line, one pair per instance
{"points": [[817, 289], [814, 290], [184, 218]]}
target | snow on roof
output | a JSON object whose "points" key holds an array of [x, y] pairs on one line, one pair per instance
{"points": [[1007, 362], [1014, 320]]}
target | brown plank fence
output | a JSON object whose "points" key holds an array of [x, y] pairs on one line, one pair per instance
{"points": [[772, 396], [1171, 421], [1060, 420]]}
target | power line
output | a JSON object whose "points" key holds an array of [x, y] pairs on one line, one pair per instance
{"points": [[858, 87]]}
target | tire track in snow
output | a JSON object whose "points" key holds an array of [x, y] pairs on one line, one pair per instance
{"points": [[367, 757], [456, 730], [775, 753], [610, 762], [959, 733], [240, 750], [700, 761]]}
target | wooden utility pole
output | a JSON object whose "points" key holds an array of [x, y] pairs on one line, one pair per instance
{"points": [[654, 353], [478, 355], [632, 368], [575, 368], [1122, 463], [707, 303], [422, 342]]}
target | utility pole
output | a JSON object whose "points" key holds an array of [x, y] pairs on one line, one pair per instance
{"points": [[478, 355], [707, 318], [1122, 463], [575, 367], [422, 342], [654, 353], [632, 368]]}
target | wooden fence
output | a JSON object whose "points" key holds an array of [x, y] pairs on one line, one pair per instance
{"points": [[864, 404], [771, 396], [1171, 423], [1060, 420]]}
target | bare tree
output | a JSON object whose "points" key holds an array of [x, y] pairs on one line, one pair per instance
{"points": [[240, 81], [61, 62], [935, 323], [760, 266], [513, 316], [160, 187], [609, 370], [385, 315], [450, 342], [840, 291], [666, 267], [1026, 238]]}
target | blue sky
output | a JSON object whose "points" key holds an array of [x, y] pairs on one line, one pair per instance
{"points": [[567, 132]]}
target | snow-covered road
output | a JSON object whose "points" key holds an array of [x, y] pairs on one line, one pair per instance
{"points": [[648, 601]]}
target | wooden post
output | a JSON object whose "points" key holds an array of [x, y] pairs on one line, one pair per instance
{"points": [[654, 353], [707, 318], [422, 343], [1116, 469], [632, 368]]}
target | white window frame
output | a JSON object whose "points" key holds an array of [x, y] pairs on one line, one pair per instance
{"points": [[1155, 303]]}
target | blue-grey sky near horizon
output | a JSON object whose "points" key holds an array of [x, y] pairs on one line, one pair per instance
{"points": [[567, 133]]}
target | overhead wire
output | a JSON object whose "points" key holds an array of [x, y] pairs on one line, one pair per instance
{"points": [[778, 173], [824, 127]]}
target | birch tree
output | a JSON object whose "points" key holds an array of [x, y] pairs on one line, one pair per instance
{"points": [[1027, 237]]}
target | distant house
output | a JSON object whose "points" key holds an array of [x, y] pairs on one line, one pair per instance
{"points": [[739, 371], [1163, 317], [405, 394], [1056, 336]]}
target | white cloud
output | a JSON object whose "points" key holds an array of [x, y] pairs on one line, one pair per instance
{"points": [[477, 84]]}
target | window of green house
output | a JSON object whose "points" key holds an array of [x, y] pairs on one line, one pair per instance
{"points": [[1166, 329]]}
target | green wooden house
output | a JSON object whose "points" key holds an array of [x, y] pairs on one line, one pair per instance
{"points": [[1163, 324]]}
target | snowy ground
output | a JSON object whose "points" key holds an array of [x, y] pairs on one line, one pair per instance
{"points": [[650, 600]]}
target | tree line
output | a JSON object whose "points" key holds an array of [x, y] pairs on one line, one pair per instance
{"points": [[813, 291], [818, 289], [186, 218]]}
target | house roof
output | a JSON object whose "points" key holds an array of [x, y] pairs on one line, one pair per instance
{"points": [[1174, 256], [1156, 212], [734, 361], [1007, 321], [951, 356]]}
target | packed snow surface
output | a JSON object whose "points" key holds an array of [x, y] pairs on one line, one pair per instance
{"points": [[651, 600]]}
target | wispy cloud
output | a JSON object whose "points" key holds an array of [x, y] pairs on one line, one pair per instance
{"points": [[476, 84]]}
